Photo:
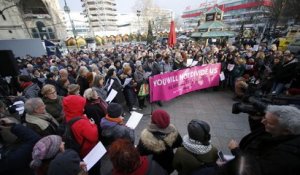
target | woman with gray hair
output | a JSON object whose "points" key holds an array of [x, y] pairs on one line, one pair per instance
{"points": [[38, 119], [276, 146]]}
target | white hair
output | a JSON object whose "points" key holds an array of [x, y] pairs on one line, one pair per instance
{"points": [[32, 104], [288, 117], [89, 94]]}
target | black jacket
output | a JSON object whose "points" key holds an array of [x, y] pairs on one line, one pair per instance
{"points": [[274, 155], [17, 160]]}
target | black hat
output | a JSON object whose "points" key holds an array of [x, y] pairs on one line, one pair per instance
{"points": [[66, 163], [114, 110], [198, 130]]}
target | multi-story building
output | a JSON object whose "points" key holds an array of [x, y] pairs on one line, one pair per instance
{"points": [[31, 19], [101, 15], [250, 13], [81, 25]]}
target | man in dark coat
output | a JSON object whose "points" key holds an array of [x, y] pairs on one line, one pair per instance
{"points": [[276, 146]]}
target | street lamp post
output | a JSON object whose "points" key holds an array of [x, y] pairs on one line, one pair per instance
{"points": [[67, 10], [138, 14]]}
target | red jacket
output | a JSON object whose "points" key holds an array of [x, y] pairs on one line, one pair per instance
{"points": [[83, 130]]}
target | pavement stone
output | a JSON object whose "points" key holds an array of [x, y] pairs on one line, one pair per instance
{"points": [[211, 106]]}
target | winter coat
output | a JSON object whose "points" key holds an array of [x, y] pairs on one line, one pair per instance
{"points": [[101, 91], [43, 124], [110, 131], [147, 166], [155, 69], [185, 161], [274, 155], [31, 91], [94, 110], [54, 107], [83, 83], [161, 146], [129, 93], [117, 86], [286, 72], [85, 132], [17, 160]]}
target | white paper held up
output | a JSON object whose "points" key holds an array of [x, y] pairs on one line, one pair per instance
{"points": [[111, 96], [222, 76], [94, 155], [134, 120], [194, 63], [127, 81], [189, 62], [110, 84]]}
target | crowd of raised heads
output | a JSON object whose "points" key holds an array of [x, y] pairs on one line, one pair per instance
{"points": [[55, 112]]}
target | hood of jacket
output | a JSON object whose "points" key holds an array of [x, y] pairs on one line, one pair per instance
{"points": [[73, 106], [157, 145]]}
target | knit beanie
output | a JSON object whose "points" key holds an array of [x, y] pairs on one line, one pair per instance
{"points": [[114, 110], [66, 163], [160, 118], [198, 130], [45, 148]]}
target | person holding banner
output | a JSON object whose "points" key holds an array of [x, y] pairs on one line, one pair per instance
{"points": [[140, 78]]}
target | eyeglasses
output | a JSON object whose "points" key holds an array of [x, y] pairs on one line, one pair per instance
{"points": [[51, 93]]}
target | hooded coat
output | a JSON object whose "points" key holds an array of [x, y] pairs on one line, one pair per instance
{"points": [[85, 132]]}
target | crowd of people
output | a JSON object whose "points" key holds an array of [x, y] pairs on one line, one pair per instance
{"points": [[55, 112]]}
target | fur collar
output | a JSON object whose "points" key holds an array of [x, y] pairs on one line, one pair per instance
{"points": [[158, 145]]}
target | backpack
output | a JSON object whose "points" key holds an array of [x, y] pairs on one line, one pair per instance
{"points": [[69, 138]]}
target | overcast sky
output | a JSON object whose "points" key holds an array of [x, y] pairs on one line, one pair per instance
{"points": [[125, 6]]}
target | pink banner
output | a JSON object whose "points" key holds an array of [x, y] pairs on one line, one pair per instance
{"points": [[170, 85]]}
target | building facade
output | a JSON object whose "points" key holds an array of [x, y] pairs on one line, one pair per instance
{"points": [[250, 13], [31, 19], [81, 25], [101, 15]]}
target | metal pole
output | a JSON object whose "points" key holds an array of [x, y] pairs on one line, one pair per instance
{"points": [[67, 10]]}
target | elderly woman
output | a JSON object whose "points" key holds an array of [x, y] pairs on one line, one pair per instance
{"points": [[95, 108], [160, 138], [100, 87], [53, 102], [82, 79], [38, 119], [139, 77], [44, 152], [129, 93]]}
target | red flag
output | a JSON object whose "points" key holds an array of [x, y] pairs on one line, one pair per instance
{"points": [[172, 35]]}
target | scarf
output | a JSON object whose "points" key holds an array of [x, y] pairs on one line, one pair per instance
{"points": [[25, 85], [42, 120], [194, 146], [118, 120]]}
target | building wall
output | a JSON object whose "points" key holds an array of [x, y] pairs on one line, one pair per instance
{"points": [[101, 15], [81, 24], [32, 19], [252, 13]]}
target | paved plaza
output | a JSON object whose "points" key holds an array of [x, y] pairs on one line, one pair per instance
{"points": [[213, 107]]}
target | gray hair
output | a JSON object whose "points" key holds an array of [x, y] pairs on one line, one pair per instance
{"points": [[89, 93], [32, 104], [288, 117]]}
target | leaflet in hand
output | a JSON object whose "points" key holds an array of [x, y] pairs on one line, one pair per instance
{"points": [[94, 155], [134, 120]]}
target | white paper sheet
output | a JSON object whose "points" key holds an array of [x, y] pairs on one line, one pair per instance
{"points": [[111, 83], [230, 67], [229, 157], [222, 76], [189, 62], [134, 120], [94, 155], [127, 81], [147, 75], [111, 96], [255, 48], [194, 63]]}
